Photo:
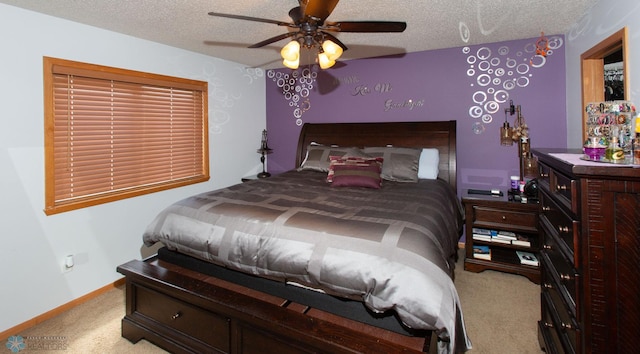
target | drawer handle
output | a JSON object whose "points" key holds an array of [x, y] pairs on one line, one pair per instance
{"points": [[175, 317], [565, 277], [546, 208], [548, 324], [547, 247], [544, 175], [561, 187], [563, 229], [548, 286], [566, 326], [504, 217]]}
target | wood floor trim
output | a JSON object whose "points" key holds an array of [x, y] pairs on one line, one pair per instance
{"points": [[60, 309]]}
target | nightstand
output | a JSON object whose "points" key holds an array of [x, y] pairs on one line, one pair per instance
{"points": [[504, 220]]}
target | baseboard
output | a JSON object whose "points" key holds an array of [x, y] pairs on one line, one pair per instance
{"points": [[60, 309]]}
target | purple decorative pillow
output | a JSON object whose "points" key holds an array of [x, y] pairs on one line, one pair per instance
{"points": [[353, 171]]}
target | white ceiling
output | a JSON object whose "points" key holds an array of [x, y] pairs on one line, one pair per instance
{"points": [[431, 24]]}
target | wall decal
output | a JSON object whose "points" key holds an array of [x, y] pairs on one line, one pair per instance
{"points": [[296, 88], [252, 73], [221, 97], [409, 104], [498, 73]]}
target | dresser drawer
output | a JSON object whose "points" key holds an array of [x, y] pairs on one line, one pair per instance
{"points": [[504, 218], [560, 275], [557, 332], [544, 172], [566, 189], [185, 318], [560, 224]]}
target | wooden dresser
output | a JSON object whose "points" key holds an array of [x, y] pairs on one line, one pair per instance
{"points": [[590, 256]]}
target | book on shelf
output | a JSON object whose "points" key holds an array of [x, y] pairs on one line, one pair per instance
{"points": [[527, 258], [521, 240], [500, 240], [483, 234], [481, 231], [506, 235], [482, 237], [482, 252]]}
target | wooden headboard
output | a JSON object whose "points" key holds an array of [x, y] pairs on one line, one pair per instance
{"points": [[440, 135]]}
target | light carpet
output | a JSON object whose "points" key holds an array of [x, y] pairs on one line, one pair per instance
{"points": [[501, 313]]}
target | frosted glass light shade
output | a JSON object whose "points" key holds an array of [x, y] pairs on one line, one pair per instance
{"points": [[291, 64], [332, 50], [324, 61], [291, 51]]}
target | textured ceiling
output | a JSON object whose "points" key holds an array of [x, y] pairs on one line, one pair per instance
{"points": [[431, 24]]}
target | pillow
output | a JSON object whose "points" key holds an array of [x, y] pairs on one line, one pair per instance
{"points": [[428, 165], [355, 171], [400, 164], [317, 158]]}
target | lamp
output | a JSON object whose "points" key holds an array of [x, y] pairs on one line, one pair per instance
{"points": [[328, 51], [263, 150], [528, 165]]}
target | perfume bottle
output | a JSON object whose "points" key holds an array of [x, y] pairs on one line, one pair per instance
{"points": [[614, 152]]}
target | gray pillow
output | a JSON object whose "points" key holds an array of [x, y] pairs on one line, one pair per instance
{"points": [[400, 164], [318, 156]]}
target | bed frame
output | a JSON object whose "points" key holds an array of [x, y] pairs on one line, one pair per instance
{"points": [[440, 135], [186, 311]]}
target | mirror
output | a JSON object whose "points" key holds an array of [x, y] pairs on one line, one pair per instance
{"points": [[614, 76], [606, 61]]}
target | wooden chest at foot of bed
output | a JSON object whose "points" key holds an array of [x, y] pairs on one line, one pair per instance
{"points": [[185, 311]]}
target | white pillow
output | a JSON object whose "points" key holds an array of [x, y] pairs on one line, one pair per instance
{"points": [[428, 165]]}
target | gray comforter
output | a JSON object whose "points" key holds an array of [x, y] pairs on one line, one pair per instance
{"points": [[391, 248]]}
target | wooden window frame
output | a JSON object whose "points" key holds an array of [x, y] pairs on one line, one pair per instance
{"points": [[186, 149]]}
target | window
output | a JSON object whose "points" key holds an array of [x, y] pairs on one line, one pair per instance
{"points": [[112, 134]]}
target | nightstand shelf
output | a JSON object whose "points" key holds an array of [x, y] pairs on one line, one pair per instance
{"points": [[498, 213]]}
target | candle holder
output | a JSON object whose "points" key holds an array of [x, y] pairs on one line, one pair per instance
{"points": [[264, 150]]}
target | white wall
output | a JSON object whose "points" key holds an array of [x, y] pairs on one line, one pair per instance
{"points": [[605, 18], [102, 237]]}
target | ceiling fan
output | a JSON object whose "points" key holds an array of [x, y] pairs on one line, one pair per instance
{"points": [[310, 29]]}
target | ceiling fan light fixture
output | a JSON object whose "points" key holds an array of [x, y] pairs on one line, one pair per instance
{"points": [[309, 29], [291, 64], [332, 50], [324, 61], [291, 51]]}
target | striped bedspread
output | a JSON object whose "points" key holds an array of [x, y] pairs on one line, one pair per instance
{"points": [[391, 248]]}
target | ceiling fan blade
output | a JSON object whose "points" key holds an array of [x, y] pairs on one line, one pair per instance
{"points": [[318, 8], [365, 26], [249, 18], [273, 39], [335, 40]]}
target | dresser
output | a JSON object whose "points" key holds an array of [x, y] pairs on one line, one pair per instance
{"points": [[589, 225]]}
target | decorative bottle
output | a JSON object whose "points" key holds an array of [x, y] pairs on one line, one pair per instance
{"points": [[614, 152]]}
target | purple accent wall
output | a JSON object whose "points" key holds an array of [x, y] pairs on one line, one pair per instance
{"points": [[472, 85]]}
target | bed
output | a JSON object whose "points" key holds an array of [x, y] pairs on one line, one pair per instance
{"points": [[293, 263]]}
